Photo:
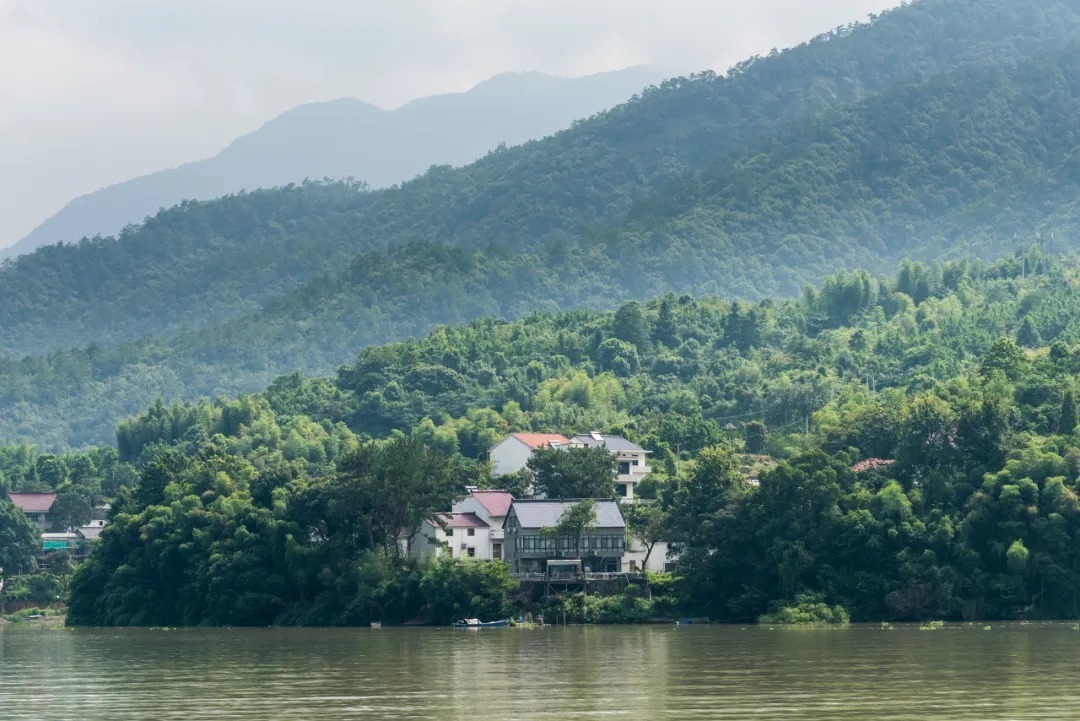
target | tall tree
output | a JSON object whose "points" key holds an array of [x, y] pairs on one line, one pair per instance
{"points": [[573, 472], [403, 483], [71, 509], [1067, 415], [18, 540]]}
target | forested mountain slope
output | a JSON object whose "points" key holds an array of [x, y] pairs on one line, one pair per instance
{"points": [[180, 269], [965, 162], [914, 445], [351, 138]]}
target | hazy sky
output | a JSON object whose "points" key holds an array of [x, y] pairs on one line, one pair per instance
{"points": [[93, 92]]}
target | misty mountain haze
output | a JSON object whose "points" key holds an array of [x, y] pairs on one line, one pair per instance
{"points": [[352, 138], [941, 129]]}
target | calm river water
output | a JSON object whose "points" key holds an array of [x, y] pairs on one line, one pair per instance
{"points": [[699, 672]]}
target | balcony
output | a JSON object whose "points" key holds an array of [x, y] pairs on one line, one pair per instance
{"points": [[569, 578], [536, 546], [496, 534]]}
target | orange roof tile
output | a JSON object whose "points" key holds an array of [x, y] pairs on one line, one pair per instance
{"points": [[538, 440]]}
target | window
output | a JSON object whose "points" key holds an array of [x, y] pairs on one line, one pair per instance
{"points": [[634, 462], [624, 467], [471, 532], [450, 532], [620, 490], [472, 552]]}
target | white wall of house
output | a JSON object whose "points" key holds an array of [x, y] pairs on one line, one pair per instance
{"points": [[509, 456], [429, 543], [469, 504], [495, 549], [636, 467], [462, 541], [634, 560], [424, 544]]}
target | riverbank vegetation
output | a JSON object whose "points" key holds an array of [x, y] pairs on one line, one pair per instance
{"points": [[915, 455]]}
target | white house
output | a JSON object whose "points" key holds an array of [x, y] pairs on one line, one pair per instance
{"points": [[632, 459], [660, 559], [491, 507], [458, 535], [512, 453]]}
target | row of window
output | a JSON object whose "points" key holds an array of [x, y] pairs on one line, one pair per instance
{"points": [[469, 531], [543, 544]]}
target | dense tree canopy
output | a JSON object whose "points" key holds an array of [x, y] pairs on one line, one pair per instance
{"points": [[573, 472], [942, 128], [916, 462]]}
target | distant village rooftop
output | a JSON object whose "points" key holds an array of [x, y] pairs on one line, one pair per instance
{"points": [[33, 502]]}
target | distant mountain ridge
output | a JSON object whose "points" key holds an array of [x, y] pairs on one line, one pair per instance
{"points": [[352, 138], [944, 128]]}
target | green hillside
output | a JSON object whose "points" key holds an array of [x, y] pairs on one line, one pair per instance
{"points": [[250, 512], [204, 263], [976, 161]]}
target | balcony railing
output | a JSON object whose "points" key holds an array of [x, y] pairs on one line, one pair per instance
{"points": [[586, 576], [597, 545]]}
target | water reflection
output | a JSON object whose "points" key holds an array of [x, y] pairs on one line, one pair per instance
{"points": [[966, 672]]}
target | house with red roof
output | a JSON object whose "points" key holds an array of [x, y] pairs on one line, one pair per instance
{"points": [[457, 535], [512, 453], [491, 507], [36, 506], [472, 529]]}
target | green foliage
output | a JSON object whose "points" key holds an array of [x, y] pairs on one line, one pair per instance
{"points": [[467, 589], [26, 614], [808, 609], [587, 472], [262, 514], [18, 540], [754, 182], [43, 588]]}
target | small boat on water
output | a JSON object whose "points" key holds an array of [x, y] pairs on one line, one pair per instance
{"points": [[376, 624], [477, 623]]}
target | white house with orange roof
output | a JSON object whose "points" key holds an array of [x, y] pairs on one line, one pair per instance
{"points": [[512, 453]]}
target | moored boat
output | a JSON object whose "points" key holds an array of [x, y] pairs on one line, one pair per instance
{"points": [[477, 623]]}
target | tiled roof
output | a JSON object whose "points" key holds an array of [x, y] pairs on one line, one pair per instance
{"points": [[462, 520], [612, 443], [546, 513], [33, 502], [497, 503], [538, 440], [91, 532]]}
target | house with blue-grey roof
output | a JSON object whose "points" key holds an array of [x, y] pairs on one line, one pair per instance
{"points": [[633, 462], [530, 548]]}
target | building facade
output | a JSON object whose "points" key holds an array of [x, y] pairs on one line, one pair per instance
{"points": [[36, 506], [512, 453], [491, 507], [530, 547]]}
